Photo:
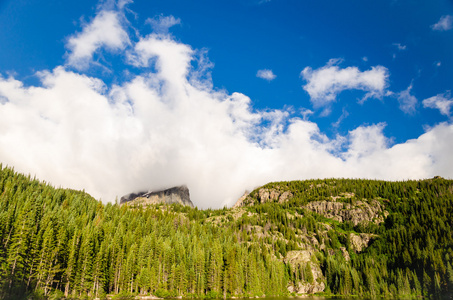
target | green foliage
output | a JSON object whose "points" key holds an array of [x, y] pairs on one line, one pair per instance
{"points": [[57, 243]]}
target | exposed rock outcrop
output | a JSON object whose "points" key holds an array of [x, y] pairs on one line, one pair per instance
{"points": [[360, 241], [241, 200], [299, 259], [178, 194], [345, 254], [264, 195], [271, 195], [356, 213]]}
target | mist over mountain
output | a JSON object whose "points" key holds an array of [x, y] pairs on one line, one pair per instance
{"points": [[174, 195], [132, 108]]}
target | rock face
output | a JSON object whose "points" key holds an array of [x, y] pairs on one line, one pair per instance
{"points": [[241, 200], [271, 195], [179, 194], [360, 241], [357, 213], [264, 195], [299, 259]]}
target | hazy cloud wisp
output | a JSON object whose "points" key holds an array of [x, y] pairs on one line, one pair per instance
{"points": [[407, 101], [162, 24], [445, 23], [266, 74]]}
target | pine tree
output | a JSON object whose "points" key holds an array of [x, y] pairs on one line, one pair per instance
{"points": [[84, 271], [19, 245], [46, 269], [71, 268], [215, 268], [99, 267]]}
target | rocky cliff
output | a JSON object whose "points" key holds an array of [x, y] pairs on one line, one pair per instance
{"points": [[179, 194], [311, 278], [263, 195], [357, 213]]}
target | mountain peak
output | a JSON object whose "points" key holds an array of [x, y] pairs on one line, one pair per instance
{"points": [[177, 194]]}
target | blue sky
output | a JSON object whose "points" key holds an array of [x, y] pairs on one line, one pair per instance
{"points": [[149, 94]]}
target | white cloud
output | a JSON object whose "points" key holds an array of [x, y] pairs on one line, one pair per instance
{"points": [[123, 3], [343, 116], [424, 157], [108, 5], [266, 74], [105, 30], [324, 84], [407, 101], [442, 102], [399, 46], [445, 23], [305, 112], [164, 128], [171, 59], [162, 24], [365, 141]]}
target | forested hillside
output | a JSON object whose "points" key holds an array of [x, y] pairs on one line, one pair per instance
{"points": [[351, 237]]}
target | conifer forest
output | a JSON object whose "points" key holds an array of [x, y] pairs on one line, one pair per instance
{"points": [[333, 236]]}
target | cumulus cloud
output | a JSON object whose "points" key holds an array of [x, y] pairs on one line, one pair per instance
{"points": [[442, 102], [445, 23], [365, 141], [266, 74], [324, 84], [164, 126], [418, 158], [104, 31], [407, 101]]}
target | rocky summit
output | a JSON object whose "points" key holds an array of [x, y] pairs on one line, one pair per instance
{"points": [[179, 194]]}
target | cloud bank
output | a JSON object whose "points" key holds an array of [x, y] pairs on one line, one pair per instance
{"points": [[166, 125]]}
